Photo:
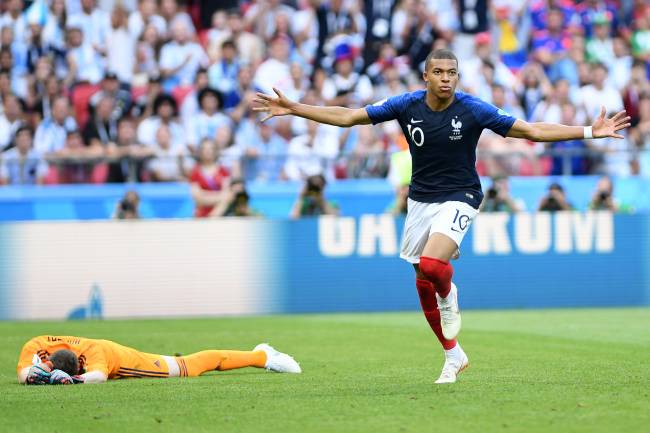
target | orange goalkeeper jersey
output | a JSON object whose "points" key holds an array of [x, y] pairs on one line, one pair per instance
{"points": [[112, 359]]}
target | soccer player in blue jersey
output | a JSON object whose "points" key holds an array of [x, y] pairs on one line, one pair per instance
{"points": [[442, 127]]}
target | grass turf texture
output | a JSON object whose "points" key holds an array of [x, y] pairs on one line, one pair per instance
{"points": [[531, 371]]}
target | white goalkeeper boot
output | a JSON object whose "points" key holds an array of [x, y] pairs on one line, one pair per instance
{"points": [[277, 361], [455, 362], [449, 313]]}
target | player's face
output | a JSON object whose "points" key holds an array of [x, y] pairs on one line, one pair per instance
{"points": [[441, 77]]}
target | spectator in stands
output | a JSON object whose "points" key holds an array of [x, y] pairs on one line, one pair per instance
{"points": [[146, 14], [603, 196], [275, 71], [11, 119], [168, 164], [263, 158], [15, 19], [641, 37], [95, 24], [223, 73], [128, 207], [54, 35], [173, 14], [473, 80], [500, 99], [312, 153], [637, 86], [208, 180], [13, 58], [312, 201], [180, 58], [238, 102], [101, 129], [207, 122], [72, 162], [346, 87], [621, 67], [165, 112], [555, 200], [600, 93], [569, 157], [368, 158], [250, 47], [550, 46], [146, 53], [190, 106], [236, 201], [498, 199], [22, 165], [600, 46], [536, 88], [110, 88], [143, 106], [52, 131], [126, 154], [120, 53], [641, 135], [45, 89], [85, 63]]}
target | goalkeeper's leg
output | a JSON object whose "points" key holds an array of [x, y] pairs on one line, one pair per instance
{"points": [[209, 360]]}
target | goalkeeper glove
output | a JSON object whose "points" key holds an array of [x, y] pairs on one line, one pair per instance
{"points": [[38, 375], [78, 379], [60, 377]]}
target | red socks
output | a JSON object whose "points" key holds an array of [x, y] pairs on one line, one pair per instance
{"points": [[439, 273], [430, 308]]}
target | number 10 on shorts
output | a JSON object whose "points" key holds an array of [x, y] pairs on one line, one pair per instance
{"points": [[461, 221]]}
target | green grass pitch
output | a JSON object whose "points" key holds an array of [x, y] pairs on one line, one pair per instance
{"points": [[531, 371]]}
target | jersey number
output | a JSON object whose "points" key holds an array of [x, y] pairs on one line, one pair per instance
{"points": [[416, 132]]}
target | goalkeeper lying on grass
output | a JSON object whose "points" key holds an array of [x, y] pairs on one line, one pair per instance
{"points": [[51, 360]]}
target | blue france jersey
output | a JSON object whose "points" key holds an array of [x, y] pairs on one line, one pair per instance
{"points": [[443, 143]]}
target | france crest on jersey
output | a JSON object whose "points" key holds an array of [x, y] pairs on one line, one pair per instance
{"points": [[443, 143]]}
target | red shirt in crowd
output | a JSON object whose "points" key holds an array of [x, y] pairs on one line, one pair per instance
{"points": [[208, 183]]}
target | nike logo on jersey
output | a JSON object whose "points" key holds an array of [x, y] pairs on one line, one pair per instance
{"points": [[416, 121]]}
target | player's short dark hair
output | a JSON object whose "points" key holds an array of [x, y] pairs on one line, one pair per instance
{"points": [[65, 360], [440, 54]]}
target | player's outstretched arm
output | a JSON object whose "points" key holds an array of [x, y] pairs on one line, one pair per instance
{"points": [[280, 105], [548, 132]]}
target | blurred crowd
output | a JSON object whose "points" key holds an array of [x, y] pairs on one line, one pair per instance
{"points": [[160, 90]]}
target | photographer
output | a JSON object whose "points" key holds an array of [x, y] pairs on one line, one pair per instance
{"points": [[236, 201], [311, 201], [555, 200], [603, 198], [128, 207], [498, 198]]}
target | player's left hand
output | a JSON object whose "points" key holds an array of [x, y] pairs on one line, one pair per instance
{"points": [[603, 127], [37, 375], [60, 377]]}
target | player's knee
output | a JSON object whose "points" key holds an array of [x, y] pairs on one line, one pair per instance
{"points": [[435, 270]]}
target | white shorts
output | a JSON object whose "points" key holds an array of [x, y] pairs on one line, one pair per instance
{"points": [[451, 218]]}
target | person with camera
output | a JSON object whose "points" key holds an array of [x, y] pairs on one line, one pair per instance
{"points": [[603, 197], [498, 198], [236, 201], [555, 200], [311, 201], [129, 207]]}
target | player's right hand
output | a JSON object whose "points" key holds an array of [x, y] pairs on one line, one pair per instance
{"points": [[274, 106], [37, 375], [60, 377]]}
